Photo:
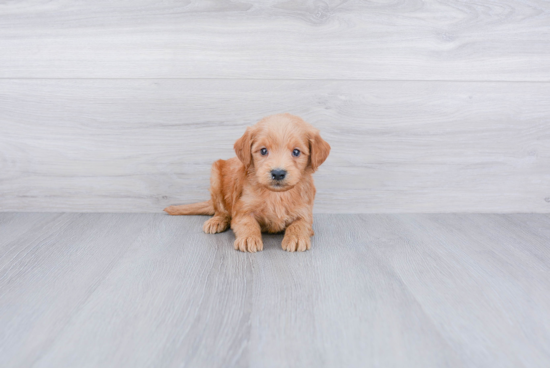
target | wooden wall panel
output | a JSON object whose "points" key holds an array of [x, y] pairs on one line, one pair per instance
{"points": [[137, 145], [360, 40], [430, 106]]}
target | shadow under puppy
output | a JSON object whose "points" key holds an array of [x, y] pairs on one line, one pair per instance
{"points": [[268, 187]]}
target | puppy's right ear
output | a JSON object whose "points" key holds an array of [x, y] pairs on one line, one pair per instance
{"points": [[242, 147]]}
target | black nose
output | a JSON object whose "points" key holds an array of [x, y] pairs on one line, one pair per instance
{"points": [[278, 174]]}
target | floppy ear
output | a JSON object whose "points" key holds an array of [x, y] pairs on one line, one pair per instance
{"points": [[242, 147], [318, 150]]}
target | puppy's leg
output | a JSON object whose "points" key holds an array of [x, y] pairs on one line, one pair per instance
{"points": [[298, 236], [216, 224], [221, 219], [248, 234]]}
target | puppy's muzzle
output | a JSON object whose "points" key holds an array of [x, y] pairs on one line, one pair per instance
{"points": [[278, 174]]}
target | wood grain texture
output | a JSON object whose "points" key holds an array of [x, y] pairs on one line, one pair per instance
{"points": [[49, 271], [139, 145], [367, 40], [148, 290]]}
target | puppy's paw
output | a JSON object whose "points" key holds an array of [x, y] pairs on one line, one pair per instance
{"points": [[250, 244], [293, 243], [215, 225]]}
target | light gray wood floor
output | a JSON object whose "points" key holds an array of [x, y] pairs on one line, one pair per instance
{"points": [[149, 290]]}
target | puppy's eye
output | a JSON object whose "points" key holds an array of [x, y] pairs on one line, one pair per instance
{"points": [[296, 153], [263, 151]]}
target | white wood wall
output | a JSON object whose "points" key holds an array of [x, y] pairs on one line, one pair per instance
{"points": [[434, 106]]}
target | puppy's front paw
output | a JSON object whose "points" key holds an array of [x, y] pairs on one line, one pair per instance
{"points": [[293, 243], [250, 244], [215, 225]]}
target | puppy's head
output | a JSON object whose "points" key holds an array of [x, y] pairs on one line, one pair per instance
{"points": [[280, 149]]}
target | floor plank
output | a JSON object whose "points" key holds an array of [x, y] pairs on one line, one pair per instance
{"points": [[48, 273], [481, 273], [409, 290], [366, 40], [139, 145]]}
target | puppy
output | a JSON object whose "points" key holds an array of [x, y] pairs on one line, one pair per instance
{"points": [[268, 187]]}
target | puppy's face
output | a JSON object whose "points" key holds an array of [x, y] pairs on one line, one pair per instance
{"points": [[280, 157], [281, 149]]}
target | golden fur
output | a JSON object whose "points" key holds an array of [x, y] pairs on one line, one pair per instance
{"points": [[245, 196]]}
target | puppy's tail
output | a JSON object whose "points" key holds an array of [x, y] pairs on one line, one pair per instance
{"points": [[201, 208]]}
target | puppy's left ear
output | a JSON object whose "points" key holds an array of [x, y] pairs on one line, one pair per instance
{"points": [[318, 150], [242, 147]]}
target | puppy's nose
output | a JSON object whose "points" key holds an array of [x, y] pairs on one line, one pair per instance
{"points": [[278, 174]]}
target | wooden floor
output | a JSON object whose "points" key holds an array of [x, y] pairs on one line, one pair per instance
{"points": [[149, 290]]}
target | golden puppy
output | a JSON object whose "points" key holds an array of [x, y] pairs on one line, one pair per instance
{"points": [[267, 187]]}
